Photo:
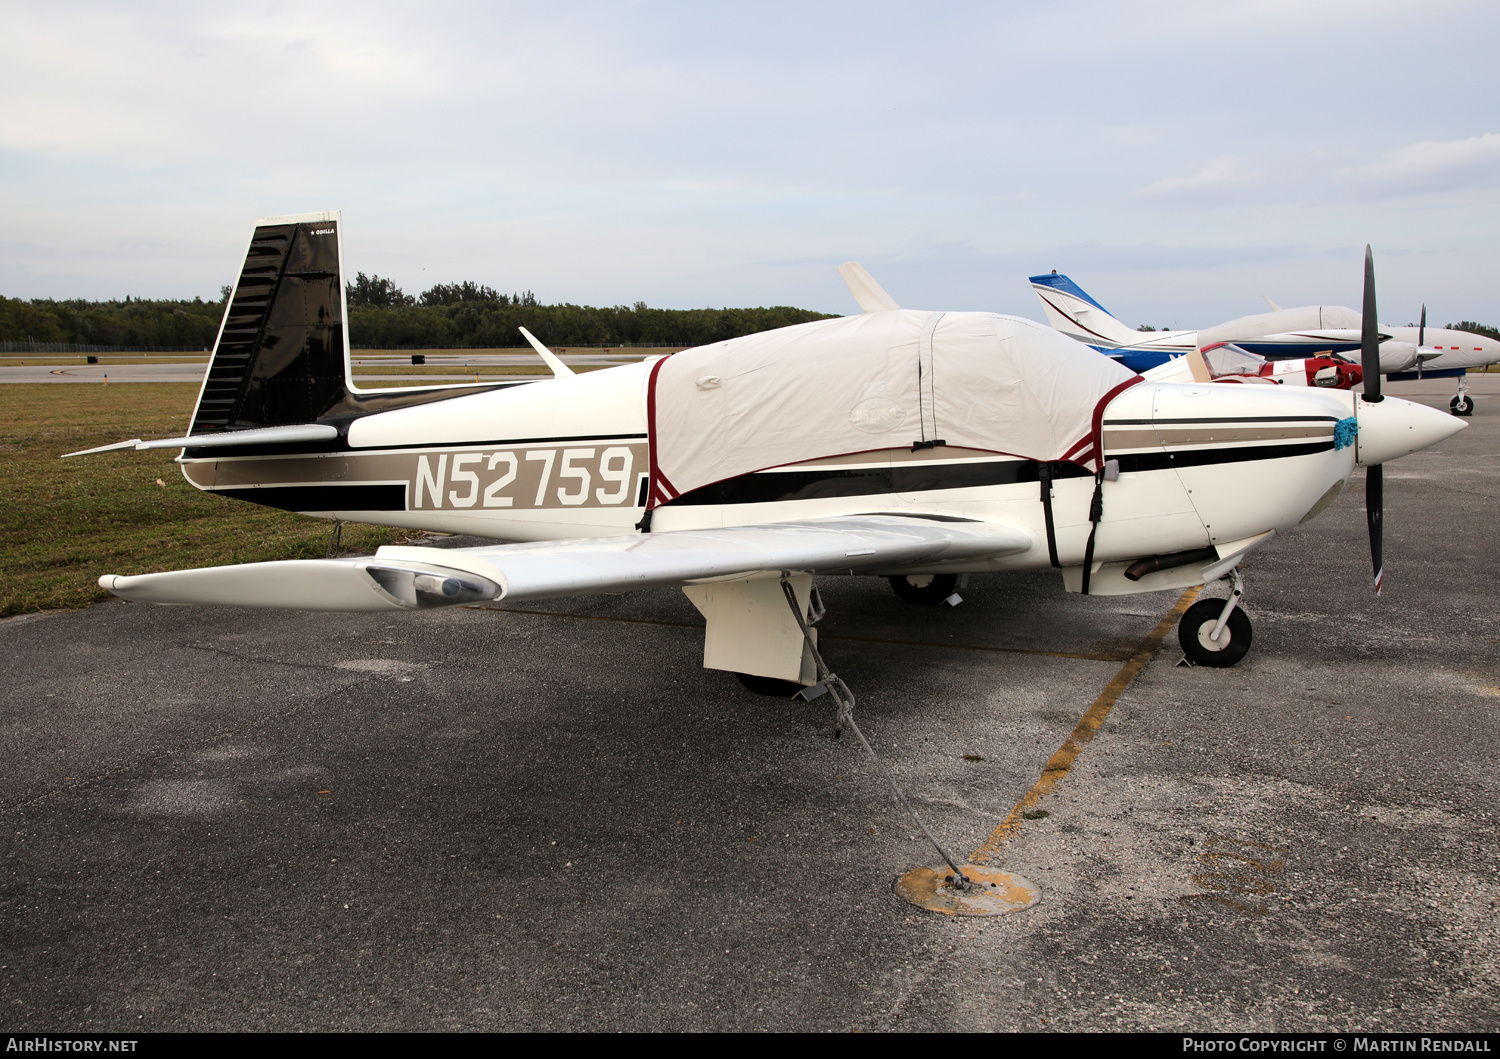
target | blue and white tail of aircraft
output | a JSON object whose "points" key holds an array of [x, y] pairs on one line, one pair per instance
{"points": [[1072, 311]]}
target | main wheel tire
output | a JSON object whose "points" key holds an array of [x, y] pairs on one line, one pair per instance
{"points": [[929, 595], [1198, 624], [769, 686], [1462, 406]]}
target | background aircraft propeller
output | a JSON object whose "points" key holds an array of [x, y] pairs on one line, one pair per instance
{"points": [[1369, 342], [1421, 340]]}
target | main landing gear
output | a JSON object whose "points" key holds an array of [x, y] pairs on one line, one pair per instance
{"points": [[1216, 633], [769, 686], [927, 590]]}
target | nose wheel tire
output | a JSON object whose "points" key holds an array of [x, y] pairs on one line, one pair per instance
{"points": [[1462, 405], [930, 592], [1197, 626]]}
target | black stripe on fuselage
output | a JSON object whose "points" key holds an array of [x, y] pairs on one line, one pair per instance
{"points": [[1160, 461], [351, 497], [1219, 420], [769, 487]]}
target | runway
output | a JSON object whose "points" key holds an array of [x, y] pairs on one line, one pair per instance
{"points": [[549, 817], [192, 371]]}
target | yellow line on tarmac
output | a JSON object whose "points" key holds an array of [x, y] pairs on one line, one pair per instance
{"points": [[1062, 761]]}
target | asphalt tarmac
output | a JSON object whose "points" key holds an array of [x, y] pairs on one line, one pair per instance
{"points": [[549, 817]]}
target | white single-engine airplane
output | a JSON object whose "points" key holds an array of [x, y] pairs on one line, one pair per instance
{"points": [[912, 445], [1311, 331]]}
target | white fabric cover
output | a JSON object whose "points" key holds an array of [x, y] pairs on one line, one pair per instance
{"points": [[878, 381]]}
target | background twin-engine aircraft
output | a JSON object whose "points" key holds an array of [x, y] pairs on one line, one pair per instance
{"points": [[913, 445], [1311, 331]]}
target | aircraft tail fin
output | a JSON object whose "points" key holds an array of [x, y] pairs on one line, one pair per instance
{"points": [[1079, 316], [282, 355]]}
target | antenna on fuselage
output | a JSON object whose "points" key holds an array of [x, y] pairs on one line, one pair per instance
{"points": [[561, 370], [870, 295]]}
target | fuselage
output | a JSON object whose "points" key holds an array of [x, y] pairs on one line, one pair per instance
{"points": [[1442, 350], [1199, 466]]}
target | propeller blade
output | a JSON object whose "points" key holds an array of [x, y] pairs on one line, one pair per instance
{"points": [[1369, 343], [1421, 341], [1369, 334]]}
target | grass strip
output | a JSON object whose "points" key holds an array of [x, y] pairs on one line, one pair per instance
{"points": [[65, 522]]}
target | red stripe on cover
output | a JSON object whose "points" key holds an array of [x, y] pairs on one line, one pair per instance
{"points": [[1098, 453], [660, 490], [1078, 445]]}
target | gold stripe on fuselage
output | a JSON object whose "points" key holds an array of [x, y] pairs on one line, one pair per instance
{"points": [[520, 477], [1173, 435]]}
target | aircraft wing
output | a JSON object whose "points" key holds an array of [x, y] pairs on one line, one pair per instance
{"points": [[397, 578]]}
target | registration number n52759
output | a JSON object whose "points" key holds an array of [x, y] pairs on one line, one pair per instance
{"points": [[526, 477]]}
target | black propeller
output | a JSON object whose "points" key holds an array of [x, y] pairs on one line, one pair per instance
{"points": [[1421, 340], [1369, 348]]}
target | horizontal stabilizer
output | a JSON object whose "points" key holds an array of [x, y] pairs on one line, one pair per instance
{"points": [[858, 544], [301, 432]]}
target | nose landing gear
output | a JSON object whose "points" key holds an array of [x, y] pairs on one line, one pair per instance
{"points": [[1214, 633], [1462, 404]]}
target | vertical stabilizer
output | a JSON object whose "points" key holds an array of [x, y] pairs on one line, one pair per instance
{"points": [[282, 353], [1076, 315]]}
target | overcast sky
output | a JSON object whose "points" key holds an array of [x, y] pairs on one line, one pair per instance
{"points": [[1178, 160]]}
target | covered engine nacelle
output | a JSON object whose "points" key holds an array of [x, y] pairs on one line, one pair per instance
{"points": [[1397, 356]]}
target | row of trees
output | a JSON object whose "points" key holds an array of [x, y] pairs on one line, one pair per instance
{"points": [[377, 292], [134, 323], [1476, 329], [470, 315], [382, 316]]}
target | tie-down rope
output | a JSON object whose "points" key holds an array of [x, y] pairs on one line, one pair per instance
{"points": [[845, 699]]}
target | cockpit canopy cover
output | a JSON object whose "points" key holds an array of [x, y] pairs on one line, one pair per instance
{"points": [[882, 380]]}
